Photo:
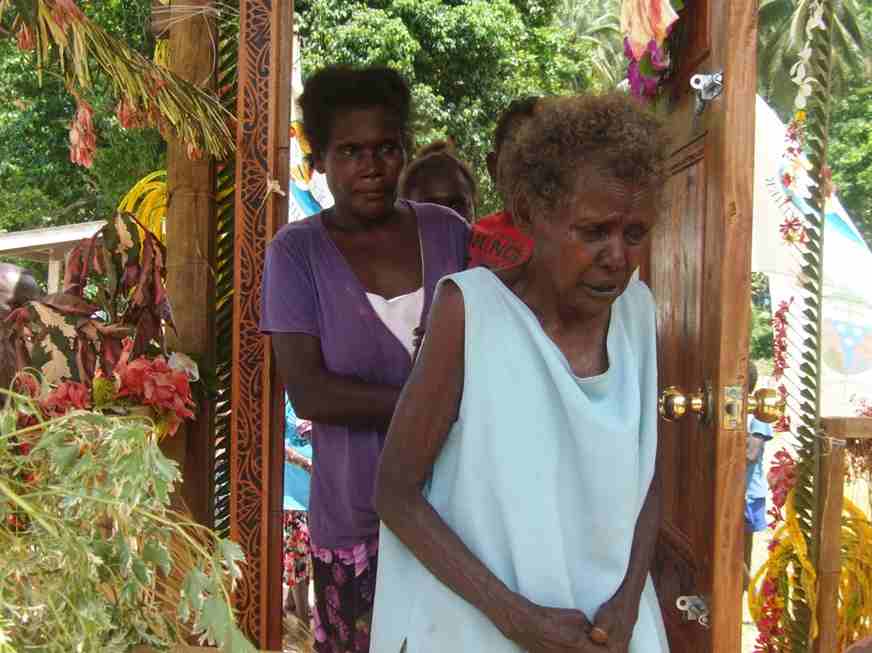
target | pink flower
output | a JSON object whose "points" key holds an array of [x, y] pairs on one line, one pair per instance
{"points": [[781, 478], [25, 38], [332, 595], [83, 140], [154, 383], [129, 117], [66, 12], [645, 20], [69, 395]]}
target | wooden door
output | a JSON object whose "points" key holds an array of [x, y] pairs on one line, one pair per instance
{"points": [[699, 271]]}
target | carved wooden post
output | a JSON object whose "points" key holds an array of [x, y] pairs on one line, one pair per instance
{"points": [[257, 450], [832, 482], [191, 254]]}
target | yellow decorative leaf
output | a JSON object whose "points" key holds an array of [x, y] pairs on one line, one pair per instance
{"points": [[125, 238], [57, 369], [53, 319]]}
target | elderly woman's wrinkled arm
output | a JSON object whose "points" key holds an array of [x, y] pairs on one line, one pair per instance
{"points": [[426, 411], [323, 396]]}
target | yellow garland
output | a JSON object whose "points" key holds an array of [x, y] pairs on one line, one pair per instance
{"points": [[147, 200], [855, 581], [162, 52]]}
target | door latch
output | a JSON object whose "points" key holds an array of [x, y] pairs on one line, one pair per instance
{"points": [[708, 87], [694, 608]]}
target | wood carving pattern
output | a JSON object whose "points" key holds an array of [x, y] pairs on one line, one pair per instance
{"points": [[251, 237]]}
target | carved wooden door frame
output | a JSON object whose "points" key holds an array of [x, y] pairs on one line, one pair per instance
{"points": [[257, 421]]}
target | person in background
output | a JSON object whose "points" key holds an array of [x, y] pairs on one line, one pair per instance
{"points": [[491, 545], [343, 291], [438, 176], [297, 548], [496, 241], [756, 488], [17, 287]]}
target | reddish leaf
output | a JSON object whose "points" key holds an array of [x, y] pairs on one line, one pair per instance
{"points": [[110, 353], [131, 276], [73, 273], [70, 304]]}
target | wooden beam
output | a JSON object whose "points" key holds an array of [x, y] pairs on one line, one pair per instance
{"points": [[257, 416], [55, 270], [191, 254], [855, 428], [831, 486]]}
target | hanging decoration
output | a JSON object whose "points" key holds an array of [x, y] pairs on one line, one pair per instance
{"points": [[646, 24], [783, 596], [147, 201], [62, 37]]}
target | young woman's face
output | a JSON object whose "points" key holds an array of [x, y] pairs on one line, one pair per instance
{"points": [[363, 161], [590, 247], [450, 189]]}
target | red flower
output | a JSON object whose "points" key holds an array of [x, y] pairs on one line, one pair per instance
{"points": [[129, 117], [83, 140], [782, 478], [154, 383], [69, 395], [66, 12], [25, 38], [792, 230]]}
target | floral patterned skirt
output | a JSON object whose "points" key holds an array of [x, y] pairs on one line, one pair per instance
{"points": [[344, 594], [297, 549]]}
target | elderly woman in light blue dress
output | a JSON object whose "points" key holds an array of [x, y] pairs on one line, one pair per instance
{"points": [[517, 486]]}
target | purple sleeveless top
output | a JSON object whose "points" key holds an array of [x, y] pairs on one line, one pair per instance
{"points": [[308, 287]]}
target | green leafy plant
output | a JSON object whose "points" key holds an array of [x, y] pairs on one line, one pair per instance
{"points": [[94, 557]]}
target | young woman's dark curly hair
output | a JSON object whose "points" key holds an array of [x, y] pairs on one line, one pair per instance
{"points": [[339, 88], [612, 132]]}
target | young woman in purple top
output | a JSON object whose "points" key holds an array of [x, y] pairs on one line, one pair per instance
{"points": [[342, 292]]}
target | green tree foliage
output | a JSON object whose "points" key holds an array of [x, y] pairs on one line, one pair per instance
{"points": [[39, 186], [466, 60], [597, 23], [782, 26], [850, 151], [850, 155], [762, 334]]}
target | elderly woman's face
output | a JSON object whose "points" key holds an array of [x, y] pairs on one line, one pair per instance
{"points": [[363, 161], [592, 245]]}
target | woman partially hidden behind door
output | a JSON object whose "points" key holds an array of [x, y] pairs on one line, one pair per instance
{"points": [[343, 292], [517, 483]]}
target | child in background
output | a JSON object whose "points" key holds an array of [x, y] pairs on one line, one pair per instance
{"points": [[496, 242], [759, 433], [437, 176], [297, 548]]}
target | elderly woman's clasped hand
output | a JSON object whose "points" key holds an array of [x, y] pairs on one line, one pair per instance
{"points": [[558, 630]]}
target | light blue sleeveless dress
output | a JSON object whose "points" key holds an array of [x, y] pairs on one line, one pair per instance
{"points": [[542, 476]]}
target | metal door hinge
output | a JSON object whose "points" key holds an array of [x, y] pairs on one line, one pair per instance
{"points": [[694, 608], [708, 87]]}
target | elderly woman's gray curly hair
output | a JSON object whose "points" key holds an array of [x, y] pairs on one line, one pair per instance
{"points": [[612, 132]]}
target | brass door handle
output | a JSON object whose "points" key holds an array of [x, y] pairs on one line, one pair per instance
{"points": [[766, 404], [675, 404]]}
